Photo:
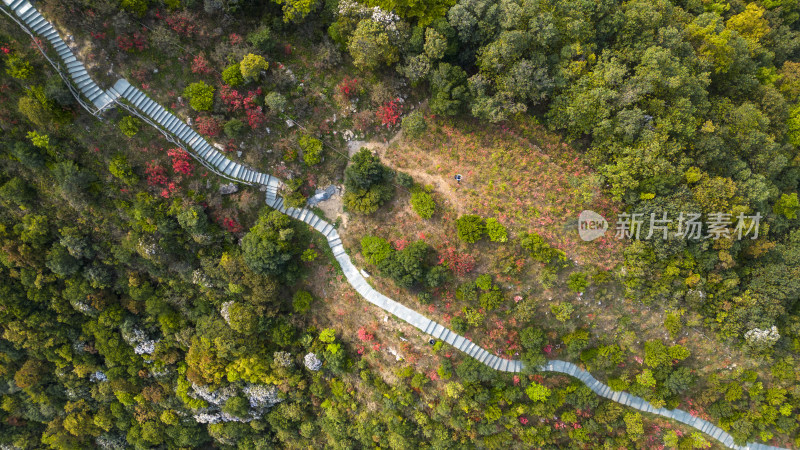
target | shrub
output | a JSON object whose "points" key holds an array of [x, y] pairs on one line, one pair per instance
{"points": [[404, 179], [312, 149], [201, 96], [577, 282], [414, 125], [471, 228], [275, 101], [422, 203], [349, 87], [233, 128], [375, 249], [232, 75], [496, 231], [129, 125], [302, 301]]}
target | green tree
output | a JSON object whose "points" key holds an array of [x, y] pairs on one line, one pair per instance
{"points": [[201, 96], [233, 128], [301, 301], [422, 203], [261, 38], [122, 170], [414, 124], [435, 44], [271, 247], [787, 206], [367, 182], [129, 125], [370, 47], [449, 93], [496, 231], [237, 406], [135, 7], [61, 262], [471, 228], [232, 75], [275, 101], [407, 267], [375, 249], [252, 65], [296, 10], [243, 318], [577, 282], [312, 149], [537, 393], [18, 68]]}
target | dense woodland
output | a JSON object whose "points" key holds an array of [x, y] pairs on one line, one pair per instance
{"points": [[143, 307]]}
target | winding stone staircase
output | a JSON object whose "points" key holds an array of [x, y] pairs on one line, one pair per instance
{"points": [[125, 95]]}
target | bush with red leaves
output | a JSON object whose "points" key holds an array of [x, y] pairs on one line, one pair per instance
{"points": [[182, 23], [181, 162], [235, 39], [460, 263], [134, 42], [389, 113], [255, 113], [348, 87], [208, 126], [231, 97], [365, 335], [156, 174], [231, 225], [200, 65]]}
